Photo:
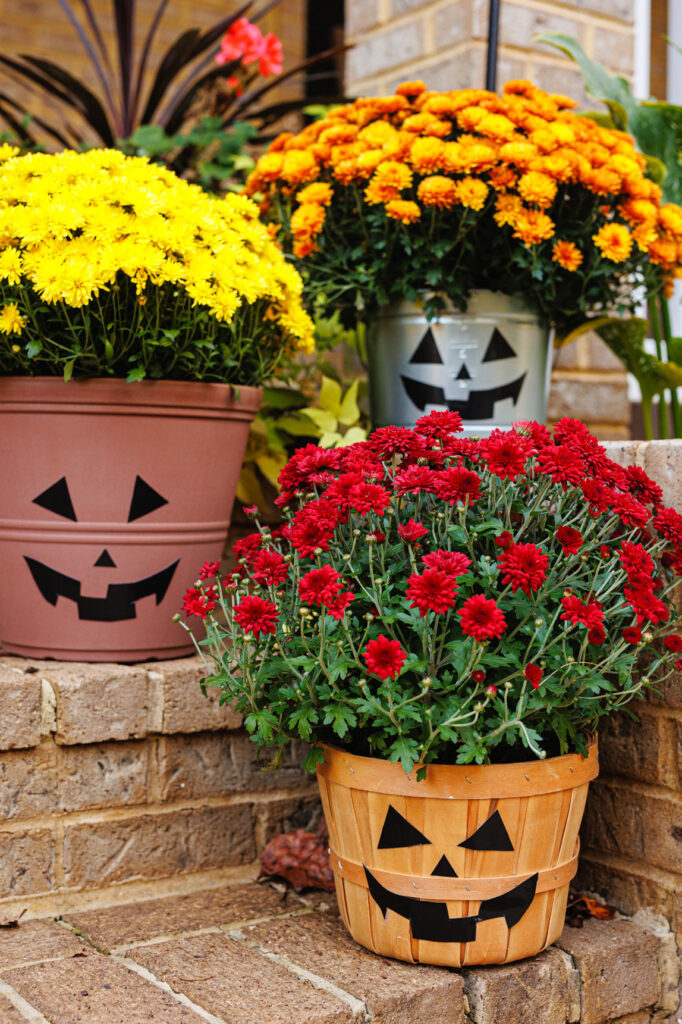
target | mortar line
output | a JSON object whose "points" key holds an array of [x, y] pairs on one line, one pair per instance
{"points": [[21, 1005], [214, 929], [179, 997], [359, 1008]]}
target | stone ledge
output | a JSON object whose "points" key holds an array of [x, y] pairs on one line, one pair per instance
{"points": [[243, 953]]}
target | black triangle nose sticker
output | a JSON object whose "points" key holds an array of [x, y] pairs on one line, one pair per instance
{"points": [[498, 348], [444, 868], [427, 351], [58, 500], [145, 500], [463, 374], [398, 832], [105, 560]]}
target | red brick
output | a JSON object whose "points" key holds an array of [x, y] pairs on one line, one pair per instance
{"points": [[184, 707], [642, 750], [628, 823], [84, 691], [531, 990], [37, 940]]}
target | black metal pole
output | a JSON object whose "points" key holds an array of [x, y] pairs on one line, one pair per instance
{"points": [[493, 37]]}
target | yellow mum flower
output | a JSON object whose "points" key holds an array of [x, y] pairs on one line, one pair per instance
{"points": [[11, 320], [535, 187], [532, 227], [318, 192], [496, 126], [403, 210], [670, 219], [389, 180], [426, 154], [377, 133], [507, 209], [7, 151], [299, 165], [614, 241], [471, 193], [10, 265], [567, 255], [438, 191]]}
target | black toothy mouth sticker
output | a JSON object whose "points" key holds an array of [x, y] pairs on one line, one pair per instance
{"points": [[431, 922], [118, 605], [480, 405]]}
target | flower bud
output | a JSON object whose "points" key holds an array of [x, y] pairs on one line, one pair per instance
{"points": [[647, 637], [427, 682], [478, 707], [176, 617], [570, 659], [346, 557], [539, 622], [491, 690], [303, 612], [508, 685], [356, 532], [317, 551], [645, 680]]}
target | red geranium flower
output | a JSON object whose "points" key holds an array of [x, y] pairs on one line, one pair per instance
{"points": [[481, 618], [452, 562], [457, 484], [209, 570], [255, 615], [571, 540], [200, 602], [524, 566], [673, 642], [384, 657], [533, 673], [431, 591], [270, 57], [632, 635], [269, 568], [412, 531], [365, 498], [319, 586], [506, 453]]}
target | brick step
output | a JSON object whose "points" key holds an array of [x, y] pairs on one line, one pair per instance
{"points": [[120, 775], [248, 953]]}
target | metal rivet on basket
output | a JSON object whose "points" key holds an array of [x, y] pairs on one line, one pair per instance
{"points": [[415, 885], [467, 887], [526, 777], [468, 779], [555, 875], [352, 768], [571, 768], [340, 866]]}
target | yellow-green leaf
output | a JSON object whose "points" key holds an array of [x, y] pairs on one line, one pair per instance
{"points": [[299, 425], [330, 396], [249, 490], [352, 436], [324, 419], [330, 440], [271, 466], [349, 412]]}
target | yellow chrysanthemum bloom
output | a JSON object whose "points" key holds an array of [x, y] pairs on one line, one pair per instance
{"points": [[472, 193], [567, 255], [614, 241], [438, 191], [426, 155], [10, 265], [11, 320], [319, 192], [535, 187], [533, 226], [507, 209], [403, 210]]}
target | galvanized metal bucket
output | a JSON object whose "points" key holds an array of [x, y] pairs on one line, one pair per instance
{"points": [[491, 364]]}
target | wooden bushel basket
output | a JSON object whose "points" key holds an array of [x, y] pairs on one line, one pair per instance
{"points": [[470, 866]]}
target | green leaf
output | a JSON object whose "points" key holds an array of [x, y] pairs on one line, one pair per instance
{"points": [[329, 398], [626, 339], [298, 425], [322, 418], [68, 369], [340, 717], [282, 398], [137, 373], [34, 348], [349, 411]]}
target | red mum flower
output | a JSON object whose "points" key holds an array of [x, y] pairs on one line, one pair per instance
{"points": [[269, 568], [596, 635], [596, 495], [336, 607], [533, 673], [200, 602], [642, 486], [307, 462], [209, 570], [524, 566], [431, 591], [668, 522], [437, 425], [563, 465], [365, 498], [384, 657], [458, 484], [605, 551], [571, 540], [452, 562], [506, 453], [504, 539], [637, 562], [631, 511], [313, 527], [256, 615], [673, 642], [339, 492], [537, 432], [415, 479], [319, 586], [412, 531], [646, 605], [589, 613], [248, 547], [478, 676], [388, 441], [481, 618], [632, 635]]}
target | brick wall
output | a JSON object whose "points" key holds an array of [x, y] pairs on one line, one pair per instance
{"points": [[444, 43], [112, 774]]}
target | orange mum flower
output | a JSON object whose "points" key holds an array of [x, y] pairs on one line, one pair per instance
{"points": [[472, 193], [670, 219], [411, 88], [533, 226], [537, 188], [307, 220], [318, 192], [507, 209], [299, 165], [437, 191], [403, 210], [614, 241], [389, 179], [567, 255], [426, 155], [502, 177]]}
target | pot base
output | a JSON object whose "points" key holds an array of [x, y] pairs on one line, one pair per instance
{"points": [[117, 657]]}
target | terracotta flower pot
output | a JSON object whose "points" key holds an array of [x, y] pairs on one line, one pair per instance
{"points": [[113, 494], [470, 866]]}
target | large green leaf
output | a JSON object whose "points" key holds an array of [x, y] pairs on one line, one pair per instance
{"points": [[626, 339]]}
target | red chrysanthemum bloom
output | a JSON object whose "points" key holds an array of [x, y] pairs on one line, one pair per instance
{"points": [[491, 690], [365, 498], [247, 548], [478, 676], [481, 618], [255, 615], [454, 563], [414, 479], [642, 486], [339, 492], [388, 441], [673, 642], [200, 602], [269, 568], [209, 570], [563, 464], [384, 658], [596, 495], [506, 453], [632, 635], [504, 539], [307, 462], [589, 613], [638, 563], [571, 540], [458, 484], [313, 527], [438, 425], [631, 511], [533, 673], [537, 432], [431, 591], [605, 551], [336, 607], [524, 566], [678, 664], [668, 522], [596, 635], [646, 605], [319, 586], [250, 510], [412, 531]]}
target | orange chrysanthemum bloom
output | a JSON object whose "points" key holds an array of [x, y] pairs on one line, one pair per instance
{"points": [[670, 219], [614, 241], [663, 251], [303, 247], [299, 165], [426, 155], [368, 162], [269, 166], [497, 126], [403, 210], [519, 153], [377, 133], [437, 190], [307, 220], [603, 182], [535, 187], [640, 211], [502, 177], [347, 172], [415, 88], [472, 193], [507, 209], [319, 192], [567, 255], [532, 227], [338, 133], [389, 179]]}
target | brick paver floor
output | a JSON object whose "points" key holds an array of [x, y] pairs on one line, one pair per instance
{"points": [[250, 954]]}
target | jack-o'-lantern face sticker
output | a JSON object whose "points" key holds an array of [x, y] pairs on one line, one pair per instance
{"points": [[430, 921], [464, 364], [119, 603]]}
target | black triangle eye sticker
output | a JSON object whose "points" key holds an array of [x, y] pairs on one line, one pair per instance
{"points": [[491, 835], [398, 832], [498, 348], [427, 350], [58, 500], [145, 500]]}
